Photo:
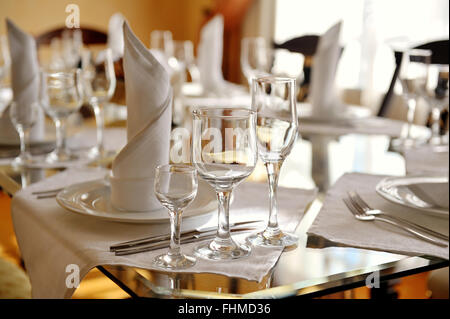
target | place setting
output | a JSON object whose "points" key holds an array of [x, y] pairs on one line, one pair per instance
{"points": [[242, 160]]}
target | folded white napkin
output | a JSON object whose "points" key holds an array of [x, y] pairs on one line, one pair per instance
{"points": [[148, 99], [210, 53], [82, 241], [337, 224], [209, 61], [432, 193], [324, 98], [115, 35], [24, 81]]}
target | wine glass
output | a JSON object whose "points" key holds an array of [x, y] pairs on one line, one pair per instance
{"points": [[413, 78], [23, 118], [224, 152], [162, 41], [61, 94], [184, 53], [276, 130], [437, 96], [99, 83], [256, 58], [175, 188]]}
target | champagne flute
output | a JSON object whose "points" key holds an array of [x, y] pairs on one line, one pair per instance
{"points": [[224, 152], [437, 96], [99, 83], [23, 118], [413, 78], [256, 58], [61, 94], [175, 187], [276, 130]]}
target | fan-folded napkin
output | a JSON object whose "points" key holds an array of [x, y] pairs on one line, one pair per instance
{"points": [[148, 99], [324, 99], [24, 82]]}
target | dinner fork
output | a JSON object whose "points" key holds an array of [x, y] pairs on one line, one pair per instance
{"points": [[357, 200], [361, 215]]}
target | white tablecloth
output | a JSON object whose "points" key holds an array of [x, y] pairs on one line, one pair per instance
{"points": [[51, 238]]}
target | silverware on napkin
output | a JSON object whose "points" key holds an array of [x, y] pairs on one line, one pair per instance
{"points": [[165, 243], [198, 232], [360, 214]]}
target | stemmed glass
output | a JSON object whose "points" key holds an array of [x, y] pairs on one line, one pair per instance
{"points": [[256, 58], [175, 188], [99, 82], [23, 118], [61, 94], [276, 130], [184, 53], [437, 96], [163, 42], [413, 78], [224, 152]]}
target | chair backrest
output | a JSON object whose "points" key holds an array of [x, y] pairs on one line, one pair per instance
{"points": [[90, 36], [439, 50]]}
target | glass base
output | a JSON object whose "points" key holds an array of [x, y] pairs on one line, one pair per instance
{"points": [[402, 144], [172, 262], [22, 160], [96, 153], [222, 250], [60, 157], [268, 239]]}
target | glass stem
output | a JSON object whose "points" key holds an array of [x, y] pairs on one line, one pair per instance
{"points": [[273, 173], [99, 119], [60, 124], [435, 125], [21, 132], [175, 232], [410, 115], [223, 231]]}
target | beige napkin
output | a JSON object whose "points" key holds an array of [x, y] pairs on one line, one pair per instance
{"points": [[336, 223], [324, 98], [24, 81], [148, 99], [83, 242]]}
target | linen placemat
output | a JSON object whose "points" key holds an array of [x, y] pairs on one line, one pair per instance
{"points": [[337, 224]]}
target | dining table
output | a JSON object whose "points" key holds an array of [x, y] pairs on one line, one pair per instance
{"points": [[322, 154]]}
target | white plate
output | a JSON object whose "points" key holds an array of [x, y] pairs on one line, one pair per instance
{"points": [[93, 199], [395, 189], [352, 112]]}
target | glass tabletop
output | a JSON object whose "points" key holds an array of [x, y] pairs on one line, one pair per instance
{"points": [[315, 267]]}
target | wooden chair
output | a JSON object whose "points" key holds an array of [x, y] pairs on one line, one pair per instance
{"points": [[439, 50]]}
